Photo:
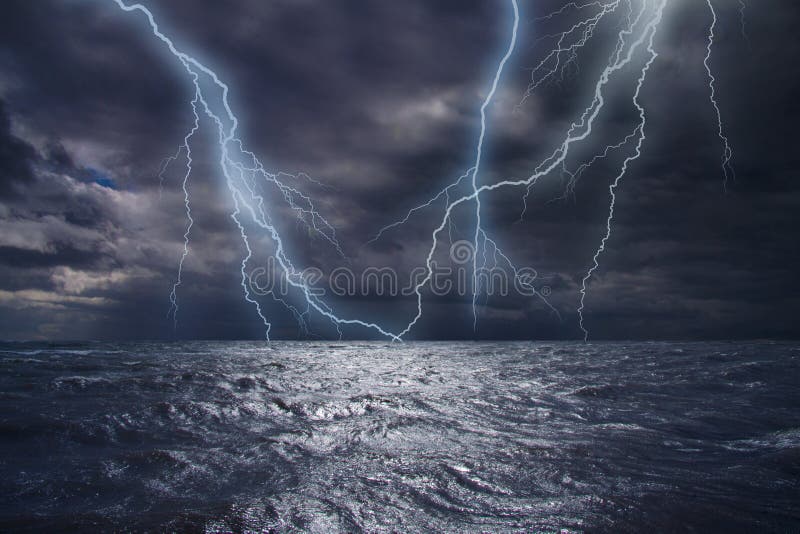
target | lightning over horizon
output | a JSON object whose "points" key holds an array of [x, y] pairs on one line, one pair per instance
{"points": [[727, 152], [635, 24], [245, 198]]}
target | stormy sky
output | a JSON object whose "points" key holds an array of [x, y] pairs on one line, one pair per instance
{"points": [[378, 102]]}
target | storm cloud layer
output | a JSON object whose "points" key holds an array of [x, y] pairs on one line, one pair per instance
{"points": [[378, 102]]}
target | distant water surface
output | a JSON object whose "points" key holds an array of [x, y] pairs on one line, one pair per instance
{"points": [[321, 437]]}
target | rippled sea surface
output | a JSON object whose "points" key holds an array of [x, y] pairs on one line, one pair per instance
{"points": [[498, 437]]}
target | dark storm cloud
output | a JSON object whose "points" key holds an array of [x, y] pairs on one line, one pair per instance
{"points": [[16, 157], [379, 102]]}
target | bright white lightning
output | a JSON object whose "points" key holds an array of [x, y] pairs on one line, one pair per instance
{"points": [[476, 167], [579, 131], [243, 171], [582, 31], [612, 189], [727, 152], [186, 146], [587, 28], [240, 167]]}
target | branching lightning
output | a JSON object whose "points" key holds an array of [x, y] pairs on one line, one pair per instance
{"points": [[476, 168], [727, 152], [240, 168], [187, 147], [638, 22], [624, 54], [640, 138]]}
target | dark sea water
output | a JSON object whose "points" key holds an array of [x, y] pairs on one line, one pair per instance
{"points": [[464, 437]]}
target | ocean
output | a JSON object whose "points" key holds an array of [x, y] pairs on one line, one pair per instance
{"points": [[404, 437]]}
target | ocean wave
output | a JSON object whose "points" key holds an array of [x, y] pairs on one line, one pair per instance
{"points": [[472, 437]]}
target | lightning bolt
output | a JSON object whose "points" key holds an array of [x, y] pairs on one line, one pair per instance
{"points": [[245, 175], [581, 31], [612, 189], [743, 20], [240, 167], [444, 193], [727, 152], [578, 132], [186, 146], [473, 174], [523, 281], [476, 167]]}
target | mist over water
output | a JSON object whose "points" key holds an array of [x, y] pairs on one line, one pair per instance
{"points": [[400, 437]]}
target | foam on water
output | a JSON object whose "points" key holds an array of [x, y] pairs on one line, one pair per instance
{"points": [[406, 437]]}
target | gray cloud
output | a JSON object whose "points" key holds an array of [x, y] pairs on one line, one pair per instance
{"points": [[379, 102]]}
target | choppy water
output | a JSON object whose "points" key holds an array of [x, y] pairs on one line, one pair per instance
{"points": [[412, 437]]}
